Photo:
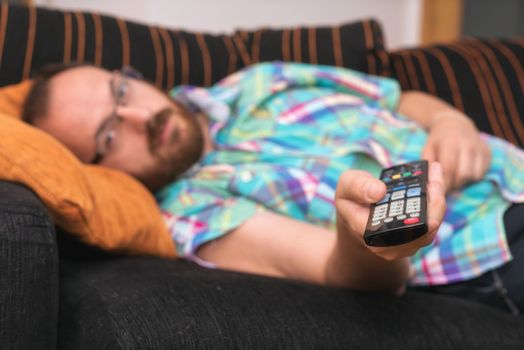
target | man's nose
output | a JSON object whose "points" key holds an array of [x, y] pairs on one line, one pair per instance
{"points": [[135, 117]]}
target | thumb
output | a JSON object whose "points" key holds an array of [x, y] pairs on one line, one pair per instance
{"points": [[360, 187], [436, 197]]}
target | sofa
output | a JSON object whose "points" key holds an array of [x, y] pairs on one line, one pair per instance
{"points": [[56, 291]]}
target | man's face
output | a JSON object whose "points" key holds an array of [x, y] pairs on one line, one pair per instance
{"points": [[148, 136]]}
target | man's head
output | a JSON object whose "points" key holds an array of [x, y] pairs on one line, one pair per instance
{"points": [[116, 120]]}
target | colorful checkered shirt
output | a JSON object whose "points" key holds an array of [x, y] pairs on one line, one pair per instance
{"points": [[283, 135]]}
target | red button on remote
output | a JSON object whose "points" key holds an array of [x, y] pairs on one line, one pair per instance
{"points": [[418, 172], [411, 221]]}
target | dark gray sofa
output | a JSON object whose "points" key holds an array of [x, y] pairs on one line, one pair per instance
{"points": [[56, 292], [71, 296]]}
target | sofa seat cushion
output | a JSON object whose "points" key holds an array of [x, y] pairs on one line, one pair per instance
{"points": [[138, 303]]}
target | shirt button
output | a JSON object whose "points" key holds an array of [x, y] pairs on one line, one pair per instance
{"points": [[246, 176]]}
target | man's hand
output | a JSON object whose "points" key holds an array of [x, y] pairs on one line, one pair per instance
{"points": [[358, 189], [455, 142], [358, 266]]}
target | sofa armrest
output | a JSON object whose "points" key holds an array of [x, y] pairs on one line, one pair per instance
{"points": [[28, 271]]}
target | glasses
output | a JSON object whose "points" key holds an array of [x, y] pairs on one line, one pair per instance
{"points": [[107, 134]]}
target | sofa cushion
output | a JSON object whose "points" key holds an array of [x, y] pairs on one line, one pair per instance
{"points": [[28, 271], [484, 78], [149, 303], [12, 98], [32, 37]]}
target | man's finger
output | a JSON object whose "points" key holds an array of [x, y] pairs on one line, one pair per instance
{"points": [[486, 157], [428, 153], [436, 196], [465, 167], [360, 187], [479, 166], [446, 159]]}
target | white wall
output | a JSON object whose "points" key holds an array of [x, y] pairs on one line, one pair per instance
{"points": [[400, 18]]}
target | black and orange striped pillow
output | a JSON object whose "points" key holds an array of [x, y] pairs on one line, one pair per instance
{"points": [[32, 37], [484, 78]]}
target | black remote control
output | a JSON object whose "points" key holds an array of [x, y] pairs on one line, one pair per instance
{"points": [[400, 217]]}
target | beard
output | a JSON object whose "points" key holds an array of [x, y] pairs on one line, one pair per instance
{"points": [[182, 150]]}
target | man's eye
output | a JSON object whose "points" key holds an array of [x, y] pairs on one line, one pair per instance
{"points": [[122, 91], [109, 140]]}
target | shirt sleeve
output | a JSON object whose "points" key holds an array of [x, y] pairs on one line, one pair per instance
{"points": [[198, 212]]}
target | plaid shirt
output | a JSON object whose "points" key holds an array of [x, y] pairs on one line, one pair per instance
{"points": [[283, 135]]}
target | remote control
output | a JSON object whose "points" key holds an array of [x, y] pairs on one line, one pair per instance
{"points": [[400, 217]]}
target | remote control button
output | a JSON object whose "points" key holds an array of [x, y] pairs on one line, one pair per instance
{"points": [[413, 215], [386, 179], [411, 221], [412, 210], [407, 173], [418, 172], [395, 212], [385, 199], [398, 195], [388, 219], [375, 223], [414, 192], [381, 208], [402, 187], [379, 216], [396, 205], [413, 201], [396, 176], [401, 217]]}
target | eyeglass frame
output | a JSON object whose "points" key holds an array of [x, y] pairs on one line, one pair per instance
{"points": [[110, 123]]}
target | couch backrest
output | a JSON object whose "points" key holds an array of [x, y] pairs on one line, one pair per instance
{"points": [[32, 37], [482, 77]]}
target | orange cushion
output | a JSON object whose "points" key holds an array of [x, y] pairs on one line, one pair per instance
{"points": [[102, 206], [12, 98]]}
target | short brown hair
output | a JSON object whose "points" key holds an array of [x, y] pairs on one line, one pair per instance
{"points": [[36, 103]]}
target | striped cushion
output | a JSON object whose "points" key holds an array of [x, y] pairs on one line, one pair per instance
{"points": [[31, 37], [483, 78]]}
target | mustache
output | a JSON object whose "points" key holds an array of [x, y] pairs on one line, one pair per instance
{"points": [[155, 127]]}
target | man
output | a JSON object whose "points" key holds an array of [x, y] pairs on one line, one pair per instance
{"points": [[271, 170]]}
